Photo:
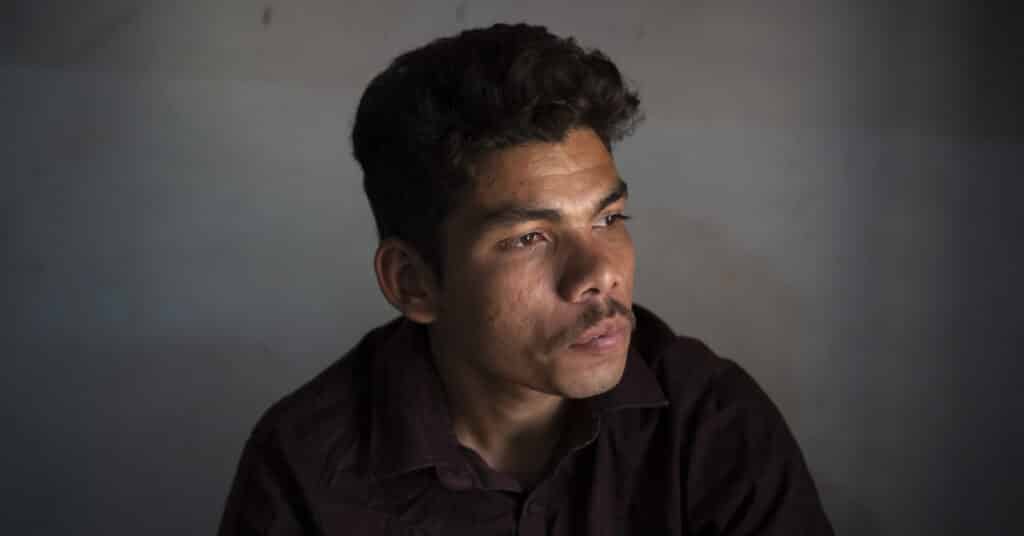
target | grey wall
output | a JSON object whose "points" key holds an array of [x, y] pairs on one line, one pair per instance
{"points": [[826, 192]]}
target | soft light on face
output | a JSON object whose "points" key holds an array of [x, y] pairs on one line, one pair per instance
{"points": [[538, 281]]}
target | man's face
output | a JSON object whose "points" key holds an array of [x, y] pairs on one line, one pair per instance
{"points": [[538, 262]]}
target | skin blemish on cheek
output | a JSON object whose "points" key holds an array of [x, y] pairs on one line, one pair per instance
{"points": [[492, 315]]}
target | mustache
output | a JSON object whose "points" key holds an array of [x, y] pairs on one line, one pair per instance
{"points": [[593, 315]]}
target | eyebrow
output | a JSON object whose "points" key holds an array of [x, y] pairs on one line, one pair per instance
{"points": [[515, 214]]}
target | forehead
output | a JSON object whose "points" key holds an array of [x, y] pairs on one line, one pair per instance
{"points": [[575, 169]]}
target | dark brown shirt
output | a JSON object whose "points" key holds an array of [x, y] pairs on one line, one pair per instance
{"points": [[686, 443]]}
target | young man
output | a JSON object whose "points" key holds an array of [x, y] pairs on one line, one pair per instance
{"points": [[521, 391]]}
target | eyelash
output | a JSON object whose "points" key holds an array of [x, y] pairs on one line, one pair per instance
{"points": [[615, 217], [517, 243]]}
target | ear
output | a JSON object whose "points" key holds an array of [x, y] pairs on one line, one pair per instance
{"points": [[406, 280]]}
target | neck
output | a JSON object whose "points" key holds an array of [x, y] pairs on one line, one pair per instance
{"points": [[513, 428]]}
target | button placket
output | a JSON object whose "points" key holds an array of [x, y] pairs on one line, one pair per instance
{"points": [[531, 517], [531, 523]]}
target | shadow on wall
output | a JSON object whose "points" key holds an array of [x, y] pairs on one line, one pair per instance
{"points": [[848, 514]]}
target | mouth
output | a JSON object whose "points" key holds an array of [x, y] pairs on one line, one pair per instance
{"points": [[605, 336]]}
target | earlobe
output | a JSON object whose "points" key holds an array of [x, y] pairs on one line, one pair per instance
{"points": [[406, 280]]}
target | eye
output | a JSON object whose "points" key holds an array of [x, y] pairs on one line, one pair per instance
{"points": [[527, 240], [611, 219]]}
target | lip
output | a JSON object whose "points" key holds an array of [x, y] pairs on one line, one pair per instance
{"points": [[604, 336]]}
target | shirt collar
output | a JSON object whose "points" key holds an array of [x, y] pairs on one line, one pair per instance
{"points": [[411, 426]]}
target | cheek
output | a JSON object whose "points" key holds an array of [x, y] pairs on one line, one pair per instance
{"points": [[516, 293], [512, 300]]}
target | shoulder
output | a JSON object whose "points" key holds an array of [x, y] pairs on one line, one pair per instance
{"points": [[692, 375], [325, 416], [743, 468]]}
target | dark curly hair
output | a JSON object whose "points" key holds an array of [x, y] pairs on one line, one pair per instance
{"points": [[424, 122]]}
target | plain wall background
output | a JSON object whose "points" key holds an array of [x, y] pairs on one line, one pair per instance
{"points": [[826, 192]]}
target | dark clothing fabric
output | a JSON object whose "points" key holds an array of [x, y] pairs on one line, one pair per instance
{"points": [[685, 444]]}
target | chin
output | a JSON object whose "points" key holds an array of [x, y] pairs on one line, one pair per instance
{"points": [[591, 379]]}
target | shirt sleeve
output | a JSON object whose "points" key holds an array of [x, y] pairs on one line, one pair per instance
{"points": [[746, 474], [265, 497]]}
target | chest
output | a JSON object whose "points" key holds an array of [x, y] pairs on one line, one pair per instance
{"points": [[606, 488]]}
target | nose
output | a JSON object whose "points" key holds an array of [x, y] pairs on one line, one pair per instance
{"points": [[589, 271]]}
